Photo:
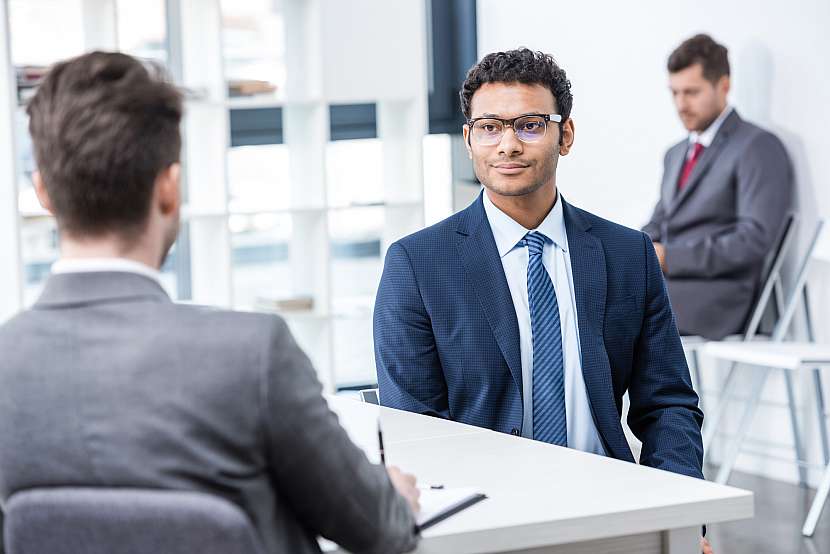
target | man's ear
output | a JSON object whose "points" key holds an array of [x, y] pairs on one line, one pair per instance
{"points": [[466, 131], [567, 137], [167, 189], [41, 192]]}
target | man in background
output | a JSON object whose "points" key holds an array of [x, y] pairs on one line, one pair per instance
{"points": [[106, 382], [726, 190]]}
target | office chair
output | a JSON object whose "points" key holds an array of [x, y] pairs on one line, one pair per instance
{"points": [[789, 357], [127, 521]]}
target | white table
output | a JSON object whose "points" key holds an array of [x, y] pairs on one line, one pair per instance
{"points": [[542, 498]]}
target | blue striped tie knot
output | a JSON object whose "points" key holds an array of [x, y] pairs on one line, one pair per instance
{"points": [[535, 243]]}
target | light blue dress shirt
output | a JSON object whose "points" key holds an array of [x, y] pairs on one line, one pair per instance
{"points": [[582, 432]]}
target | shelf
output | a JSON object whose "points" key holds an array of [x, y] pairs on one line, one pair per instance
{"points": [[278, 211], [189, 214], [256, 101], [35, 214], [375, 205], [312, 209], [292, 315]]}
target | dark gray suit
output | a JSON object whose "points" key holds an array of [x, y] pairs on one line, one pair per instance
{"points": [[719, 229], [106, 381]]}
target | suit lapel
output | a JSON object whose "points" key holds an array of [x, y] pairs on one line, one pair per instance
{"points": [[480, 259], [675, 166], [706, 159], [590, 288]]}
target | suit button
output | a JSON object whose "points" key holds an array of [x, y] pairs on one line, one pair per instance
{"points": [[514, 432]]}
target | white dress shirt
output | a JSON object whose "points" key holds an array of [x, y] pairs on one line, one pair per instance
{"points": [[706, 137], [85, 265], [582, 433]]}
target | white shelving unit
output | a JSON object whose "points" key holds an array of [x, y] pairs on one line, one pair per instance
{"points": [[357, 52], [11, 276]]}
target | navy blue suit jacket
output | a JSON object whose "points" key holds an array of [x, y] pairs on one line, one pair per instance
{"points": [[447, 337]]}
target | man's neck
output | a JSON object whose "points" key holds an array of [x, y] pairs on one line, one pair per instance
{"points": [[73, 249], [528, 210]]}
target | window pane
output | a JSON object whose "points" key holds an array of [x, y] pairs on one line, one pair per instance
{"points": [[258, 178], [354, 358], [259, 256], [354, 172], [45, 31], [356, 266], [253, 47], [39, 245], [142, 29]]}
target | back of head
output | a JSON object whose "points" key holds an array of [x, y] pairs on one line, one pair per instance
{"points": [[103, 127], [701, 49]]}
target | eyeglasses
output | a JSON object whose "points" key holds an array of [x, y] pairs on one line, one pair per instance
{"points": [[488, 131]]}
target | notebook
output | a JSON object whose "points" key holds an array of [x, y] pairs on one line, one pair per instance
{"points": [[439, 504]]}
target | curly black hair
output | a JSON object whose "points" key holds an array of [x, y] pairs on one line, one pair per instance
{"points": [[519, 66]]}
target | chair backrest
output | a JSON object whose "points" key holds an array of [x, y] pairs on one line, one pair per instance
{"points": [[772, 274], [370, 396], [127, 521], [819, 249]]}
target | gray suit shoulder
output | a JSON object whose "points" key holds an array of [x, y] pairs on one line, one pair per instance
{"points": [[256, 325], [751, 135]]}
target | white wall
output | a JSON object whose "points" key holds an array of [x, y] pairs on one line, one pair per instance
{"points": [[615, 54]]}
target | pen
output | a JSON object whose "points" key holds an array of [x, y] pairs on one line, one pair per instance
{"points": [[380, 445]]}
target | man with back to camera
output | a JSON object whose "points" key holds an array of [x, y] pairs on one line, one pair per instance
{"points": [[524, 314], [107, 382], [726, 191]]}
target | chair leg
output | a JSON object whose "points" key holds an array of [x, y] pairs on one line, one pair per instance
{"points": [[698, 376], [711, 421], [797, 440], [822, 415], [746, 421], [818, 505]]}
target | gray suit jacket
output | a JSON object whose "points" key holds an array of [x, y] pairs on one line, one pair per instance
{"points": [[720, 228], [106, 381]]}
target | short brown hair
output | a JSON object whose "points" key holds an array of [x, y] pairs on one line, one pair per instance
{"points": [[702, 49], [103, 127]]}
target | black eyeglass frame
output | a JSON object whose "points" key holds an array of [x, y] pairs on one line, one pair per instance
{"points": [[547, 117]]}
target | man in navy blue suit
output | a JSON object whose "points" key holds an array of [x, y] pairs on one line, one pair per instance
{"points": [[527, 315]]}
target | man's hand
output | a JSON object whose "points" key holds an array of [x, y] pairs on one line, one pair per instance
{"points": [[660, 250], [405, 484], [705, 547]]}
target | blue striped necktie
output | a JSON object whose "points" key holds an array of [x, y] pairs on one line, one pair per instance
{"points": [[549, 420]]}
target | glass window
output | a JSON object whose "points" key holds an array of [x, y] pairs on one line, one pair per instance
{"points": [[44, 31], [253, 47], [261, 270], [39, 246], [355, 247], [258, 178], [354, 172], [142, 28], [356, 266], [354, 357]]}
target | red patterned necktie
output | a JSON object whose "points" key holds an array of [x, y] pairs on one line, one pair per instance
{"points": [[689, 166]]}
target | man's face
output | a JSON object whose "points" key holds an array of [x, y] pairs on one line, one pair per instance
{"points": [[698, 101], [512, 167]]}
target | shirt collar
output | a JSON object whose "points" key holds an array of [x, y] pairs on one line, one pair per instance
{"points": [[509, 233], [95, 265], [706, 137]]}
